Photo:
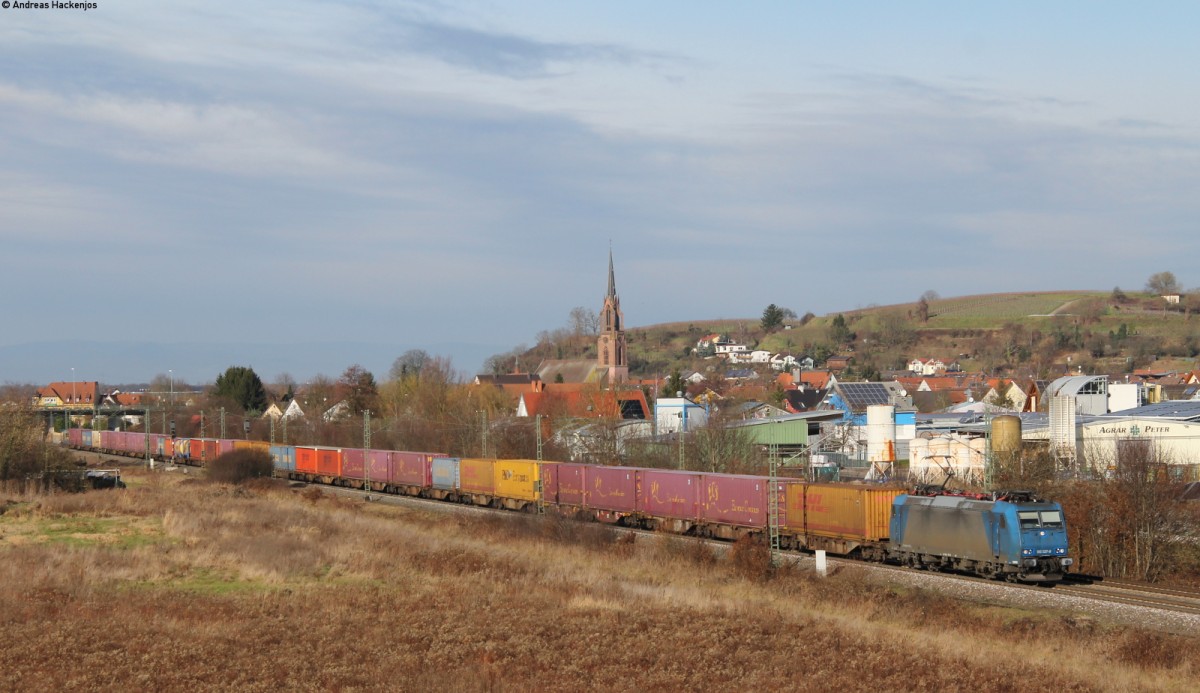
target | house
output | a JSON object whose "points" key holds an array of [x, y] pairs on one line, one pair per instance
{"points": [[694, 378], [930, 366], [337, 412], [839, 363], [803, 399], [672, 414], [568, 400], [786, 362], [760, 356], [69, 395], [741, 374], [756, 410], [1171, 298], [730, 349], [116, 398]]}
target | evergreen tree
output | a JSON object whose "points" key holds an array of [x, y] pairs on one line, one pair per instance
{"points": [[243, 386], [772, 318]]}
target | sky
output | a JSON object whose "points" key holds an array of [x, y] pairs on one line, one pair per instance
{"points": [[308, 185]]}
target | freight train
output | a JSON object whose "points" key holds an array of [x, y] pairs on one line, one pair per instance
{"points": [[1011, 535]]}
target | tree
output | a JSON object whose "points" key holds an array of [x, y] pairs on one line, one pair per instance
{"points": [[408, 364], [1162, 283], [839, 332], [923, 310], [675, 384], [357, 388], [584, 322], [772, 318], [1118, 296], [243, 386], [284, 387], [930, 296]]}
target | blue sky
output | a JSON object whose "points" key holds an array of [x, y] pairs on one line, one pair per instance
{"points": [[449, 175]]}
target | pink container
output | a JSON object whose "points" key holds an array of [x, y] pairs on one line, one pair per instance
{"points": [[609, 488], [669, 494], [412, 469], [353, 463], [734, 500], [381, 465]]}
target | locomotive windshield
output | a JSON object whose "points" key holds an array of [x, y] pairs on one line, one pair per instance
{"points": [[1031, 519]]}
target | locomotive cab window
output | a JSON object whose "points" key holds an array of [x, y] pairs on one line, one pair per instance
{"points": [[1028, 518], [1052, 518]]}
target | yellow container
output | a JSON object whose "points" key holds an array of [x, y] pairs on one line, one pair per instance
{"points": [[843, 511], [252, 445], [517, 479]]}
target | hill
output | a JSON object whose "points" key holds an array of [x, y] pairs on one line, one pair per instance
{"points": [[1016, 334]]}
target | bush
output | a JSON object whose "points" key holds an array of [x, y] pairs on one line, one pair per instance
{"points": [[240, 465]]}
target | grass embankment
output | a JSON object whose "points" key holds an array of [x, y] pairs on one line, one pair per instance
{"points": [[175, 585]]}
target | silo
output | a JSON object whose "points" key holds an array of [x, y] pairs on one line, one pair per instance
{"points": [[881, 433], [918, 458], [1006, 435], [979, 447]]}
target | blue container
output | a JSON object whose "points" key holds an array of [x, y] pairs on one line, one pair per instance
{"points": [[445, 473], [87, 437], [285, 457]]}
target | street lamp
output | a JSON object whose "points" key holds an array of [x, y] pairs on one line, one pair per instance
{"points": [[172, 376], [73, 395]]}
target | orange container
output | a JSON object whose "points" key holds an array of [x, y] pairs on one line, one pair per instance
{"points": [[842, 511], [476, 476]]}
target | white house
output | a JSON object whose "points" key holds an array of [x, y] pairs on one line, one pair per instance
{"points": [[731, 348], [760, 356], [929, 366], [674, 413]]}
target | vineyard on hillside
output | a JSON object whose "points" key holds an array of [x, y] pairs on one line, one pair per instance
{"points": [[991, 309]]}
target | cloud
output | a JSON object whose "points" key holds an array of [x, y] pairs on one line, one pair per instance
{"points": [[512, 55]]}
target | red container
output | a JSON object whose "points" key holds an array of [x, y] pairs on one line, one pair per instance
{"points": [[610, 488], [306, 460], [412, 469], [352, 463], [734, 500], [329, 461], [75, 437], [224, 445], [204, 450], [671, 495]]}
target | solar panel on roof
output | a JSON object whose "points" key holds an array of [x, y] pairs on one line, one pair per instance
{"points": [[859, 396]]}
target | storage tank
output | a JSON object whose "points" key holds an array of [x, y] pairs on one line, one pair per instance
{"points": [[918, 457], [881, 433], [1006, 435], [978, 449]]}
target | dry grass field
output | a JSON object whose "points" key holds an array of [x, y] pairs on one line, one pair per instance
{"points": [[177, 584]]}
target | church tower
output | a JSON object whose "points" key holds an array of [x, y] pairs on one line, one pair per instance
{"points": [[610, 348]]}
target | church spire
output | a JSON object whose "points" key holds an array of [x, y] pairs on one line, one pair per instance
{"points": [[612, 277], [610, 347]]}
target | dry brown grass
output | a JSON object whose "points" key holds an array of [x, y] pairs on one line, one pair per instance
{"points": [[261, 589]]}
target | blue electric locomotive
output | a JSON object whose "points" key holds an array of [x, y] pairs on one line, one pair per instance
{"points": [[1008, 534]]}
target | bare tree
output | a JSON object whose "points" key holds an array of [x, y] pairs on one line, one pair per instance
{"points": [[1161, 283], [584, 322], [408, 364]]}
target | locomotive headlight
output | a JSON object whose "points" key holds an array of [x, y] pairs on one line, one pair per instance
{"points": [[1061, 551], [1026, 552]]}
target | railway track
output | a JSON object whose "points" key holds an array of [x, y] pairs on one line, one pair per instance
{"points": [[1175, 600]]}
